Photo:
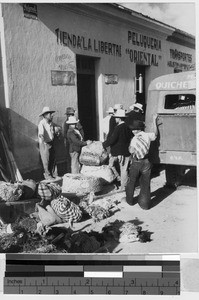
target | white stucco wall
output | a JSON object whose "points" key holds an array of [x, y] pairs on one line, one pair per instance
{"points": [[32, 51]]}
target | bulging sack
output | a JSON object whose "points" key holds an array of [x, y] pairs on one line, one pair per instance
{"points": [[93, 154], [10, 192], [81, 184], [104, 172], [66, 210], [48, 191]]}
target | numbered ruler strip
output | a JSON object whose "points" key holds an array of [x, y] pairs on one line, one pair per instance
{"points": [[79, 285]]}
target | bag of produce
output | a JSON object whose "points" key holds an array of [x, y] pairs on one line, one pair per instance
{"points": [[93, 154], [10, 192], [81, 184], [104, 172]]}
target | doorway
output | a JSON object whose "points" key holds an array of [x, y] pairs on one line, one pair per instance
{"points": [[87, 96]]}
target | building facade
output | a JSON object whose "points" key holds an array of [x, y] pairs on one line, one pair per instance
{"points": [[89, 56]]}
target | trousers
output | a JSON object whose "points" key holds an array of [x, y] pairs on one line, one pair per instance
{"points": [[47, 153], [75, 165], [123, 168], [139, 169]]}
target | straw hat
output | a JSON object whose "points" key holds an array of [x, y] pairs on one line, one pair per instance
{"points": [[118, 106], [46, 110], [137, 105], [110, 110], [120, 113], [72, 120]]}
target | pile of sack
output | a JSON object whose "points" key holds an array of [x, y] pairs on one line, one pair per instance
{"points": [[94, 172], [52, 208], [93, 158]]}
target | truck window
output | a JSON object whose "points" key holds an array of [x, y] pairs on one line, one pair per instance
{"points": [[185, 101]]}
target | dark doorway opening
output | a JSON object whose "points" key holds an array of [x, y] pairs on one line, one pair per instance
{"points": [[141, 97], [87, 96]]}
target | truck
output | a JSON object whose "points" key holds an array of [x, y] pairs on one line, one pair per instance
{"points": [[173, 98]]}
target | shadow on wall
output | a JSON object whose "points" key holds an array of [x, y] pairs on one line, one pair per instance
{"points": [[25, 147]]}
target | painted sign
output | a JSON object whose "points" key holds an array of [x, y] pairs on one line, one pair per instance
{"points": [[62, 78], [30, 11], [178, 55], [84, 43], [111, 78], [175, 85], [144, 41]]}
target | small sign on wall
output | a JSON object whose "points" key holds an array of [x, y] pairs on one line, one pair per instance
{"points": [[111, 78], [30, 11], [62, 78]]}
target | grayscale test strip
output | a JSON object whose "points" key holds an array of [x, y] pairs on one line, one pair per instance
{"points": [[92, 274]]}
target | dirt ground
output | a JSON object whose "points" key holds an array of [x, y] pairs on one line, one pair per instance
{"points": [[172, 222]]}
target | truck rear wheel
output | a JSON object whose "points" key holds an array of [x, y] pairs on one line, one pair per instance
{"points": [[174, 175]]}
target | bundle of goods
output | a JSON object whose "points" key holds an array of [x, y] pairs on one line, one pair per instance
{"points": [[93, 154], [82, 242], [98, 212], [104, 172], [10, 192], [29, 189], [81, 184], [48, 191], [94, 210], [124, 232], [66, 210], [24, 222], [47, 216]]}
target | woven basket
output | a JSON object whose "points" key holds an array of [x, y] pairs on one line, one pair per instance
{"points": [[66, 210], [93, 154], [104, 172], [81, 184]]}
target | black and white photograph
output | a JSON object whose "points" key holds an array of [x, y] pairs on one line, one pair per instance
{"points": [[98, 128]]}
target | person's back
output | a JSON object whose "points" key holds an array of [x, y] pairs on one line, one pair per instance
{"points": [[120, 140]]}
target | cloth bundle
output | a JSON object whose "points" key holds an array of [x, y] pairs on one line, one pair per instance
{"points": [[104, 172], [66, 210], [29, 189], [93, 154], [10, 192], [81, 184], [48, 191]]}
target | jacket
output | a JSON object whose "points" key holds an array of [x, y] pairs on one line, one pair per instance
{"points": [[119, 140], [75, 142]]}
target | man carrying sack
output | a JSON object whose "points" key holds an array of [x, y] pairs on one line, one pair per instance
{"points": [[140, 167]]}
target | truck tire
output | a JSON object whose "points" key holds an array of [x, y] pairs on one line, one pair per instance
{"points": [[174, 175]]}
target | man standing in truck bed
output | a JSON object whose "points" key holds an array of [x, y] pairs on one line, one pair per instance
{"points": [[140, 166]]}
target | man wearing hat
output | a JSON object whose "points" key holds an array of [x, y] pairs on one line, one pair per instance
{"points": [[47, 131], [119, 143], [140, 167], [70, 111], [106, 121], [112, 122], [136, 113], [76, 142]]}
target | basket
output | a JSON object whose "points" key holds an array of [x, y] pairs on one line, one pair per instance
{"points": [[104, 172], [66, 210], [81, 184]]}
